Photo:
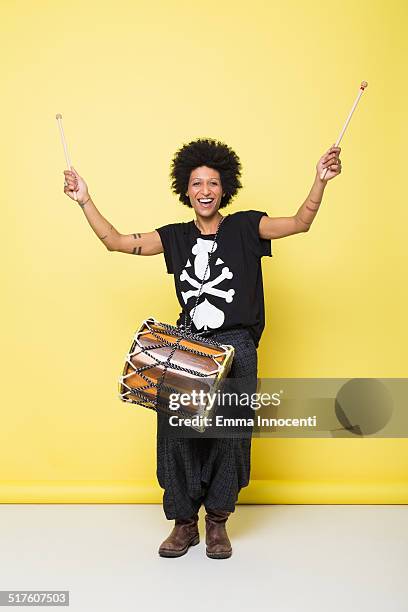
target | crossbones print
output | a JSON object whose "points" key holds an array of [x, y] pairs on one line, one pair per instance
{"points": [[209, 286], [206, 314]]}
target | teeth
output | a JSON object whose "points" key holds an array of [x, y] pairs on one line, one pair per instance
{"points": [[206, 200]]}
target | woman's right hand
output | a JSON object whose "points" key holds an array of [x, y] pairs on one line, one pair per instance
{"points": [[75, 184]]}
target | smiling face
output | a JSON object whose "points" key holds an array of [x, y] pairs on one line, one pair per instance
{"points": [[205, 191]]}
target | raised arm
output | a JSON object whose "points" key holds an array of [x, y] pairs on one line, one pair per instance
{"points": [[147, 243], [279, 227]]}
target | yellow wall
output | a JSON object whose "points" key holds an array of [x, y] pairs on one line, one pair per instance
{"points": [[133, 81]]}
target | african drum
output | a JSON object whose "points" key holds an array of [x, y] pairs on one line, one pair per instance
{"points": [[164, 360]]}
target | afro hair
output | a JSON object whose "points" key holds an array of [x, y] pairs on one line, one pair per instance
{"points": [[205, 152]]}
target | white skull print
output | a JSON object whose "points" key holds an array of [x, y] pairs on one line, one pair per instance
{"points": [[206, 315]]}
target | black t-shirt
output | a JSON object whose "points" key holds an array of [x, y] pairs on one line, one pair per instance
{"points": [[232, 295]]}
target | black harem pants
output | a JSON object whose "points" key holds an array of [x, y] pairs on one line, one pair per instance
{"points": [[208, 471]]}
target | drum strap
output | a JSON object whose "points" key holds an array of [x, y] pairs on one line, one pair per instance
{"points": [[185, 330], [188, 328]]}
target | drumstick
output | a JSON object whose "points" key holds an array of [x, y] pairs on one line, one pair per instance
{"points": [[64, 144], [363, 85]]}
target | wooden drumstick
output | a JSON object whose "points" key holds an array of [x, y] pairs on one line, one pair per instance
{"points": [[363, 85], [64, 144]]}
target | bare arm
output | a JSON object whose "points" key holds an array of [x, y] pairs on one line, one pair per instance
{"points": [[279, 227], [148, 243], [101, 226]]}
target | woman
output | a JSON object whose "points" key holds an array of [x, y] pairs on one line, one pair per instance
{"points": [[205, 175]]}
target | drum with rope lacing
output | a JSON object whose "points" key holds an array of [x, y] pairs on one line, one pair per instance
{"points": [[163, 361]]}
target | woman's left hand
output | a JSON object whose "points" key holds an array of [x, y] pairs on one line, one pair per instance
{"points": [[331, 161]]}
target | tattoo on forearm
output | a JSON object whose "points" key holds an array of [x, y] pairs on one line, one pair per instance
{"points": [[106, 235], [138, 249], [82, 204]]}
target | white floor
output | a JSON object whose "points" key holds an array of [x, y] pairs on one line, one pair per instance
{"points": [[298, 558]]}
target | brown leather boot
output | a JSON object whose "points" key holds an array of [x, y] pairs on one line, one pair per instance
{"points": [[184, 534], [216, 539]]}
